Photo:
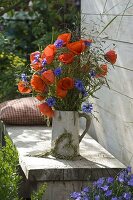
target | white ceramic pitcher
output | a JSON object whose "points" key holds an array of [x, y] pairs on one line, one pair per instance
{"points": [[65, 133]]}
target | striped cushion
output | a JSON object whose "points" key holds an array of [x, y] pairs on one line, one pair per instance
{"points": [[21, 111]]}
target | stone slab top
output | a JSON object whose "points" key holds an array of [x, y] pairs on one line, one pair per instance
{"points": [[94, 161]]}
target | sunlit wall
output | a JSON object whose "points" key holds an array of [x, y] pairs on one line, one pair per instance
{"points": [[114, 130]]}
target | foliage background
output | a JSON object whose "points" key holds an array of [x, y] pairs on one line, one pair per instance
{"points": [[27, 26], [9, 178]]}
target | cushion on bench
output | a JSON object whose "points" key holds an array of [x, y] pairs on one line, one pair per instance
{"points": [[21, 111]]}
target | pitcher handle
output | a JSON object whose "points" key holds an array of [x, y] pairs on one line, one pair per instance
{"points": [[88, 122]]}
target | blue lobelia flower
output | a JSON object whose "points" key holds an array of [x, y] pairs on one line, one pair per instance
{"points": [[23, 77], [79, 198], [108, 193], [105, 188], [75, 195], [58, 71], [127, 196], [110, 180], [128, 169], [130, 182], [86, 198], [97, 197], [131, 176], [114, 198], [51, 101], [58, 43], [100, 182], [121, 178], [87, 108], [86, 189]]}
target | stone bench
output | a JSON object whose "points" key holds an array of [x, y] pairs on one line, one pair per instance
{"points": [[61, 176]]}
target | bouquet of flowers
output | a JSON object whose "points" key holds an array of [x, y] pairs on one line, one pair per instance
{"points": [[66, 74]]}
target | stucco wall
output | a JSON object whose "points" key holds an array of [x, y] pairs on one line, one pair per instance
{"points": [[114, 130]]}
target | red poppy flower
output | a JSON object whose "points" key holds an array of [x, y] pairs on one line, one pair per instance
{"points": [[66, 58], [111, 56], [46, 110], [40, 98], [65, 37], [48, 77], [38, 84], [104, 70], [34, 56], [66, 83], [61, 93], [23, 87], [76, 47], [37, 66], [49, 53]]}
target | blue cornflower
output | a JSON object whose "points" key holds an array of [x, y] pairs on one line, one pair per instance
{"points": [[75, 195], [92, 73], [88, 43], [44, 62], [87, 108], [97, 197], [23, 77], [105, 188], [51, 101], [127, 196], [79, 85], [130, 182], [108, 193], [58, 71], [34, 61], [58, 43], [37, 56], [84, 93], [110, 180]]}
